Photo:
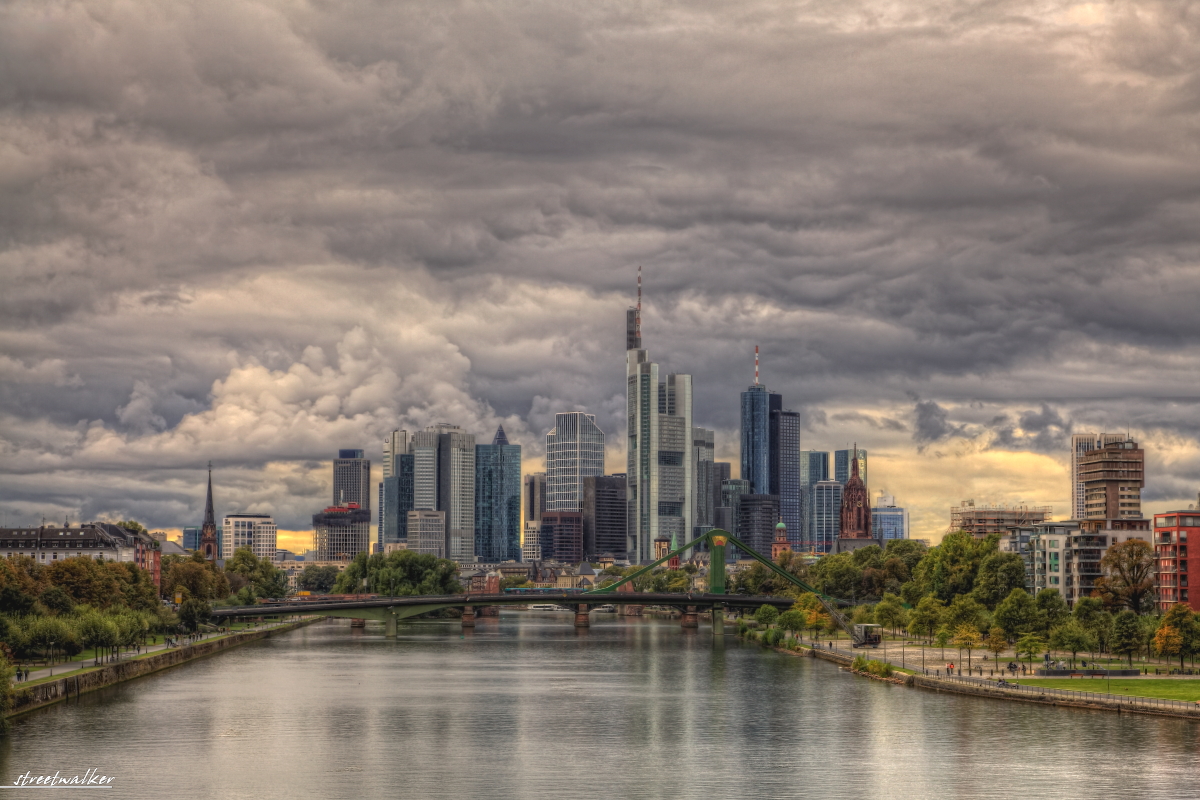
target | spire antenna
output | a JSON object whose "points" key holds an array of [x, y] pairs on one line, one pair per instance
{"points": [[756, 365], [638, 319]]}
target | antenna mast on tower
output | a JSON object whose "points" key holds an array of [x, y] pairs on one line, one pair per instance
{"points": [[756, 365], [638, 319]]}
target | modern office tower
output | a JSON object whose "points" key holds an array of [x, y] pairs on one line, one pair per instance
{"points": [[660, 462], [341, 532], [785, 471], [498, 500], [704, 450], [814, 468], [826, 515], [1113, 476], [757, 407], [604, 516], [731, 490], [191, 538], [757, 515], [424, 449], [456, 491], [1081, 445], [395, 444], [256, 531], [534, 497], [209, 543], [722, 470], [427, 532], [531, 544], [842, 465], [561, 536], [574, 451], [396, 500], [352, 479], [980, 521], [855, 522], [887, 520]]}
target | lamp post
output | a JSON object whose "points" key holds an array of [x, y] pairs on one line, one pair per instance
{"points": [[52, 658]]}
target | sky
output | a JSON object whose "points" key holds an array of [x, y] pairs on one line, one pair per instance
{"points": [[257, 232]]}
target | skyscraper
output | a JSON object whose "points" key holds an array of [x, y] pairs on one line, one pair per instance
{"points": [[498, 500], [785, 471], [1112, 477], [396, 500], [341, 532], [842, 465], [255, 531], [535, 497], [826, 515], [395, 444], [704, 450], [1081, 444], [660, 462], [574, 451], [456, 491], [424, 449], [757, 515], [757, 407], [814, 468], [888, 521], [604, 516], [352, 479]]}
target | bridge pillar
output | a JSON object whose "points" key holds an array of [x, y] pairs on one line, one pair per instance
{"points": [[582, 620], [391, 626], [718, 621], [468, 617], [689, 618]]}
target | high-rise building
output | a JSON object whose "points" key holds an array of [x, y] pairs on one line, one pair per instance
{"points": [[531, 543], [887, 520], [1081, 444], [427, 532], [396, 500], [855, 522], [704, 450], [191, 537], [814, 468], [498, 500], [1113, 477], [424, 449], [785, 471], [604, 516], [721, 473], [534, 497], [842, 465], [659, 456], [574, 451], [352, 479], [456, 491], [826, 515], [209, 544], [341, 532], [757, 515], [395, 444], [256, 531], [757, 407], [561, 536]]}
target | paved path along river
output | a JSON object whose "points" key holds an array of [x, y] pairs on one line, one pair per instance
{"points": [[528, 707]]}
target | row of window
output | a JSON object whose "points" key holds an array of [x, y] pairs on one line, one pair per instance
{"points": [[1171, 522]]}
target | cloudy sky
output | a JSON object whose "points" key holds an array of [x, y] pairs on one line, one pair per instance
{"points": [[255, 232]]}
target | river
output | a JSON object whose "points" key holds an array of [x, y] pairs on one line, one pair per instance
{"points": [[527, 707]]}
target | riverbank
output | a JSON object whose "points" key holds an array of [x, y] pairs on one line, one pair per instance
{"points": [[28, 698]]}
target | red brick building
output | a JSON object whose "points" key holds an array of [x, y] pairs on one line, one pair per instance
{"points": [[1171, 533]]}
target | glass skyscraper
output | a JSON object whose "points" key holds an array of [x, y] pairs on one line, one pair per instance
{"points": [[757, 405], [841, 465], [574, 451], [396, 500], [786, 472], [498, 500], [814, 468], [826, 515], [887, 520]]}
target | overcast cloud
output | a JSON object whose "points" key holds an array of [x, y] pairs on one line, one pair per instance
{"points": [[256, 232]]}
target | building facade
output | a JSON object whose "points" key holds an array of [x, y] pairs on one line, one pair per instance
{"points": [[256, 531], [826, 515], [983, 520], [456, 491], [341, 532], [1081, 445], [427, 532], [855, 522], [352, 479], [604, 517], [561, 536], [888, 521], [814, 468], [757, 516], [1112, 478], [395, 445], [758, 404], [574, 451], [843, 465], [785, 471], [396, 499], [1172, 530], [534, 497], [531, 542], [498, 500], [1066, 555], [704, 453]]}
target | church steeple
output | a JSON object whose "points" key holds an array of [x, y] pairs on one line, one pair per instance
{"points": [[208, 531], [855, 520], [209, 516]]}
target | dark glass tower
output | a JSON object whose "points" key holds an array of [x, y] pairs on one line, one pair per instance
{"points": [[785, 471], [498, 500], [397, 501], [757, 405]]}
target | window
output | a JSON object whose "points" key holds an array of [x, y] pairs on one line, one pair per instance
{"points": [[670, 509], [1165, 522], [1054, 543], [670, 458], [1054, 580]]}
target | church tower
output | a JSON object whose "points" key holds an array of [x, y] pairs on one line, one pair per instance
{"points": [[856, 506], [208, 531]]}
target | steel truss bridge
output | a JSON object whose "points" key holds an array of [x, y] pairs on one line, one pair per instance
{"points": [[391, 610]]}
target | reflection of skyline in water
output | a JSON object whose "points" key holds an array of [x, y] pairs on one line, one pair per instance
{"points": [[526, 706]]}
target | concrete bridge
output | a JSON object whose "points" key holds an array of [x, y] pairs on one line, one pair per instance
{"points": [[391, 610]]}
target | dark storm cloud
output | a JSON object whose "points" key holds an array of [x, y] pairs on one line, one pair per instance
{"points": [[259, 231]]}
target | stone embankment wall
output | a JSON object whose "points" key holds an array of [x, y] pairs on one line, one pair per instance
{"points": [[28, 698]]}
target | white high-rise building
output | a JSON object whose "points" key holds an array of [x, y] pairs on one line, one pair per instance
{"points": [[1081, 444], [425, 469], [574, 451], [352, 479], [395, 444], [256, 531]]}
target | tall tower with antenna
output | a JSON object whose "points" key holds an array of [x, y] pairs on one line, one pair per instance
{"points": [[633, 320]]}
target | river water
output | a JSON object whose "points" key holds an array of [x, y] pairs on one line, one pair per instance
{"points": [[527, 707]]}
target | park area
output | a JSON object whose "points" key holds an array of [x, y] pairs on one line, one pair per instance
{"points": [[1187, 689]]}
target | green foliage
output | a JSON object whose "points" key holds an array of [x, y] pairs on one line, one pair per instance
{"points": [[949, 570], [926, 618], [1129, 572], [942, 637], [402, 573], [792, 620], [1052, 607], [193, 612], [259, 576], [1181, 622], [320, 579], [965, 610], [1031, 644], [766, 615], [772, 637], [1072, 637], [872, 667], [1127, 635], [56, 601], [195, 578], [890, 613], [671, 580], [133, 526], [1018, 614], [836, 575], [999, 574]]}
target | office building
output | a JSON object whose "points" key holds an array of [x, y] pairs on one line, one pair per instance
{"points": [[786, 472], [456, 491], [826, 515], [981, 521], [341, 532], [660, 463], [396, 500], [1082, 444], [535, 497], [842, 465], [888, 521], [1112, 478], [256, 531], [191, 538], [352, 479], [758, 405], [1172, 529], [757, 515], [395, 444], [604, 517], [855, 522], [574, 451], [561, 536], [498, 500], [728, 512], [531, 543], [427, 532], [814, 468], [704, 450]]}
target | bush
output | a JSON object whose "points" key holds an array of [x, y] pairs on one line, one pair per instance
{"points": [[879, 668]]}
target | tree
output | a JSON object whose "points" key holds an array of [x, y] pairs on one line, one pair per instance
{"points": [[1127, 635], [1072, 637], [890, 613], [926, 617], [1053, 608], [1168, 641], [1182, 621], [133, 526], [793, 620], [1086, 610], [56, 601], [966, 637], [766, 615], [996, 642], [1018, 613], [999, 574], [816, 621], [836, 575], [965, 610], [948, 570], [1030, 644], [1128, 579], [193, 612]]}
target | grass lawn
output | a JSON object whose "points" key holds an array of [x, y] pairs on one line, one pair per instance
{"points": [[1167, 688]]}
